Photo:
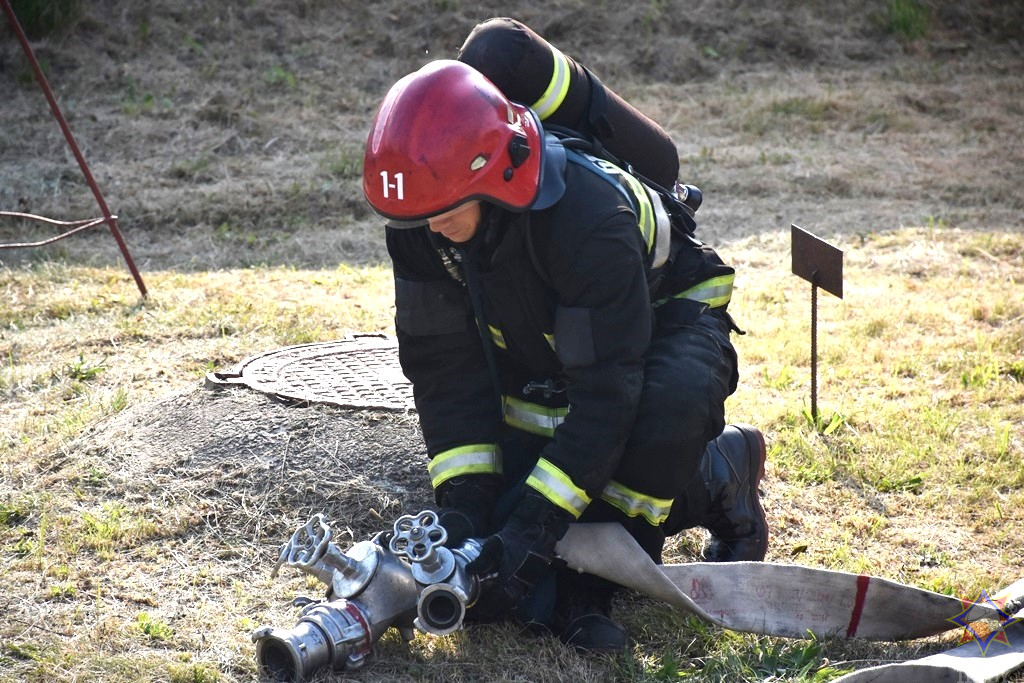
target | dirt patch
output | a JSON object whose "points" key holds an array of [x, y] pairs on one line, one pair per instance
{"points": [[264, 466], [170, 516]]}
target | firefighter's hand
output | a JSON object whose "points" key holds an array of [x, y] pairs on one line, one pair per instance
{"points": [[466, 505], [513, 560], [459, 525]]}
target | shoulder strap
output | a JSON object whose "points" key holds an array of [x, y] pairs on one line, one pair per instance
{"points": [[532, 251], [588, 146], [647, 204], [604, 169]]}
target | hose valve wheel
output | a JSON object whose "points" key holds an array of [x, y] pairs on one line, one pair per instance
{"points": [[421, 539]]}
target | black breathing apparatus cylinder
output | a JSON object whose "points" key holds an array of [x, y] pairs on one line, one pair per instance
{"points": [[531, 71]]}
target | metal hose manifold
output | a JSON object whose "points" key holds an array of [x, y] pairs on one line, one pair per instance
{"points": [[400, 579], [449, 590]]}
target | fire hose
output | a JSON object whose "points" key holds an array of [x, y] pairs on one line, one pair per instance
{"points": [[407, 579]]}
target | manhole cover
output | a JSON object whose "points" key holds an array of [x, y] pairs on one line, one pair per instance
{"points": [[357, 372]]}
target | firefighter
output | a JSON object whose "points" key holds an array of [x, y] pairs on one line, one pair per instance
{"points": [[567, 340]]}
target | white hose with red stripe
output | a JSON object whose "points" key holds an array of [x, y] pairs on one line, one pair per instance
{"points": [[792, 601]]}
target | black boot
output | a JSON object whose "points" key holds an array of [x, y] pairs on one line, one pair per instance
{"points": [[582, 616], [732, 469]]}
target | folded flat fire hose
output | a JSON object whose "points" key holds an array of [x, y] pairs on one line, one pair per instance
{"points": [[792, 601]]}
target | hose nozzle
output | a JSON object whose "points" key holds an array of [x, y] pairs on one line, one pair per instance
{"points": [[331, 634]]}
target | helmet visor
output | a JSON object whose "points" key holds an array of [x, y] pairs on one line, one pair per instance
{"points": [[402, 224]]}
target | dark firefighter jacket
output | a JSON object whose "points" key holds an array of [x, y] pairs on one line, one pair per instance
{"points": [[569, 298]]}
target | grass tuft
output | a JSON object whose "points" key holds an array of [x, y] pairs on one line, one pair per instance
{"points": [[115, 528], [193, 673], [909, 20], [155, 629], [40, 18]]}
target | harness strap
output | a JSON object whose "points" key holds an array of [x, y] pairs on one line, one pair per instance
{"points": [[652, 219], [472, 280]]}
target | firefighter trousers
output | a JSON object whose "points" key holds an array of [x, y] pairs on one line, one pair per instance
{"points": [[690, 370]]}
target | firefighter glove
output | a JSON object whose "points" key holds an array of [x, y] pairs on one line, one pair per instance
{"points": [[512, 561]]}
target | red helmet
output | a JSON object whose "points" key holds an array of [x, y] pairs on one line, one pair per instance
{"points": [[443, 136]]}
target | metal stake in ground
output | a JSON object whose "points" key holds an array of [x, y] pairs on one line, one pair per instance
{"points": [[108, 218], [821, 264]]}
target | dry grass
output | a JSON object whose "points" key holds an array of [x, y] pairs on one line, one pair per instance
{"points": [[140, 513], [927, 384], [140, 533], [228, 153]]}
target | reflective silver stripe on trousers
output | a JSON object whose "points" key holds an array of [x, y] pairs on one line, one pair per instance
{"points": [[715, 292]]}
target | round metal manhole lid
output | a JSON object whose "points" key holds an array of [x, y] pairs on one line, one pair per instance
{"points": [[361, 371]]}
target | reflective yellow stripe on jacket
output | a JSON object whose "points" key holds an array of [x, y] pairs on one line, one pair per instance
{"points": [[476, 458], [556, 486], [533, 418], [636, 504], [715, 292], [557, 88]]}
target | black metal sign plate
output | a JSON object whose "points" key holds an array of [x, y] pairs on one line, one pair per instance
{"points": [[817, 261]]}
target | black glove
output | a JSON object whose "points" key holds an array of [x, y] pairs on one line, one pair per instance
{"points": [[466, 505], [513, 560]]}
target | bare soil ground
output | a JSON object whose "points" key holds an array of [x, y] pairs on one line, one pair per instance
{"points": [[230, 134]]}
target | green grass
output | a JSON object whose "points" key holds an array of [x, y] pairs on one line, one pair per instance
{"points": [[154, 629], [906, 19], [279, 76], [41, 18], [114, 527], [193, 673], [912, 470]]}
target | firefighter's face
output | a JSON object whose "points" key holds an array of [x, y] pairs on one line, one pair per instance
{"points": [[460, 224]]}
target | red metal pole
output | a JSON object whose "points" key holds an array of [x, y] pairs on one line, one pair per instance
{"points": [[108, 218]]}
